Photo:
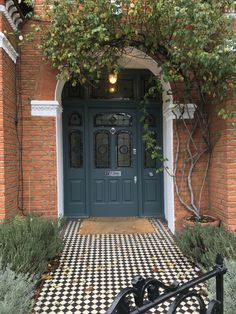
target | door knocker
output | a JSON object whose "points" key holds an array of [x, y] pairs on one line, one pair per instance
{"points": [[112, 130]]}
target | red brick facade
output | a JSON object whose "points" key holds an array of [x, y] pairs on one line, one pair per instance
{"points": [[34, 138], [39, 136], [9, 148], [222, 175]]}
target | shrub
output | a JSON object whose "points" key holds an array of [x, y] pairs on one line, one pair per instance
{"points": [[202, 244], [28, 243], [229, 288], [16, 292]]}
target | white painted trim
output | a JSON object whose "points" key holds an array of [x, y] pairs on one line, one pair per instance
{"points": [[53, 108], [45, 108], [12, 11], [168, 152], [60, 173], [9, 3], [16, 17], [184, 111], [59, 140], [139, 60], [7, 47], [8, 17], [9, 11]]}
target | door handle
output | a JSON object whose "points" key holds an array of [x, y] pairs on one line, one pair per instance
{"points": [[135, 179]]}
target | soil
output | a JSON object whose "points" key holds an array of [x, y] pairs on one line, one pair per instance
{"points": [[51, 267], [204, 220]]}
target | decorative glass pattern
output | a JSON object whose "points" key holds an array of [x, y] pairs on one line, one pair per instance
{"points": [[131, 84], [148, 161], [124, 146], [113, 119], [102, 149], [123, 89], [75, 119], [76, 149]]}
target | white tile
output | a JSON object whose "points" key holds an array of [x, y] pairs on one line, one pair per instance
{"points": [[94, 268]]}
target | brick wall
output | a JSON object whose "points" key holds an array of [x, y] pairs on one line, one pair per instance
{"points": [[39, 133], [231, 176], [9, 149], [222, 174], [2, 178], [38, 82], [182, 175], [219, 197]]}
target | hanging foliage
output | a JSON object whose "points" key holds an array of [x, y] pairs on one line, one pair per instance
{"points": [[191, 40]]}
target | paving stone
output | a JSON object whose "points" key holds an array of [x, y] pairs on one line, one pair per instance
{"points": [[94, 268]]}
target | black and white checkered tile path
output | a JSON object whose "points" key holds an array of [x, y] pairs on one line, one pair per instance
{"points": [[94, 268]]}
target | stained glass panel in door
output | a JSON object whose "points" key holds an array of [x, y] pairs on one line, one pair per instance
{"points": [[76, 149], [102, 149], [113, 119], [124, 146], [75, 119]]}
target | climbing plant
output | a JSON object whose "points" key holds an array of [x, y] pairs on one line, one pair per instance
{"points": [[191, 40]]}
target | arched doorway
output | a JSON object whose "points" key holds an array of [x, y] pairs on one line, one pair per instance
{"points": [[133, 58], [107, 169]]}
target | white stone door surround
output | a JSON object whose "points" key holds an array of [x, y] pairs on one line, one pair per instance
{"points": [[132, 59]]}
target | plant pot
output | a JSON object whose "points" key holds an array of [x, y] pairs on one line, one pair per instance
{"points": [[206, 220]]}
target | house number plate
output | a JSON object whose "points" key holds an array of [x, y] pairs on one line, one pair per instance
{"points": [[113, 173]]}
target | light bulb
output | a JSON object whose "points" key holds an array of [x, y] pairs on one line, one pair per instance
{"points": [[112, 78], [112, 89]]}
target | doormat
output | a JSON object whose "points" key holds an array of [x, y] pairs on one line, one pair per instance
{"points": [[116, 225]]}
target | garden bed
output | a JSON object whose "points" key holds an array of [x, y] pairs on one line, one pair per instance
{"points": [[201, 244], [29, 251]]}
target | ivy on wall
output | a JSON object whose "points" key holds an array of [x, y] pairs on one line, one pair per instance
{"points": [[191, 40]]}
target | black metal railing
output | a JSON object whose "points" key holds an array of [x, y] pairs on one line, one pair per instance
{"points": [[146, 294]]}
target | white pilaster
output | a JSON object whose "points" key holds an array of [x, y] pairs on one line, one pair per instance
{"points": [[60, 177], [53, 108], [139, 60], [168, 152]]}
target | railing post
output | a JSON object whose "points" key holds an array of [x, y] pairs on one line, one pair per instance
{"points": [[138, 283], [141, 286], [123, 307], [220, 284]]}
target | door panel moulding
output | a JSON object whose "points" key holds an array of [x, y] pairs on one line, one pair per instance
{"points": [[133, 59]]}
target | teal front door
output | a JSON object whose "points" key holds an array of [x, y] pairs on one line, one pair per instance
{"points": [[108, 170], [113, 162], [74, 162], [152, 180]]}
